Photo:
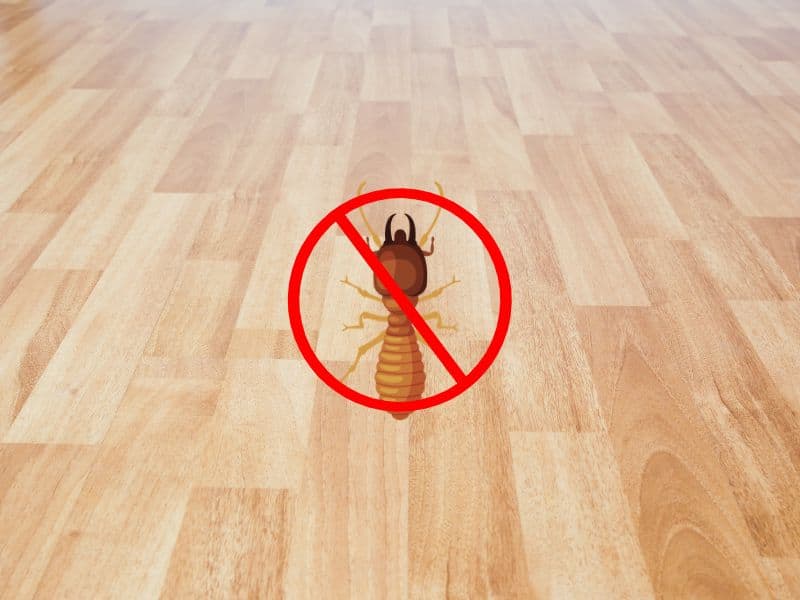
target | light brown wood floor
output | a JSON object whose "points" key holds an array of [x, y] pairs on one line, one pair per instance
{"points": [[639, 163]]}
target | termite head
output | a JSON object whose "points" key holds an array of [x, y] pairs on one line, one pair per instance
{"points": [[400, 235], [404, 259]]}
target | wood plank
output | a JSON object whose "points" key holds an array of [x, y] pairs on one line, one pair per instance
{"points": [[787, 74], [784, 110], [754, 430], [518, 24], [213, 54], [34, 320], [260, 427], [84, 382], [576, 527], [350, 29], [591, 114], [437, 121], [292, 81], [741, 265], [208, 152], [547, 385], [11, 16], [183, 367], [536, 103], [584, 26], [618, 76], [782, 238], [63, 183], [368, 453], [152, 55], [632, 194], [331, 115], [95, 227], [468, 26], [257, 53], [554, 370], [773, 329], [674, 64], [641, 112], [477, 546], [31, 57], [381, 147], [691, 530], [31, 100], [493, 135], [516, 219], [266, 343], [199, 315], [40, 485], [123, 527], [393, 38], [246, 543], [255, 170], [740, 66], [6, 137], [743, 173], [232, 229], [430, 28], [387, 77], [309, 31], [29, 153], [594, 262], [736, 258], [567, 66], [789, 569], [302, 200], [735, 20], [22, 238], [477, 61]]}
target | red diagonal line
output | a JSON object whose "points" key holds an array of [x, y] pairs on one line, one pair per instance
{"points": [[402, 300]]}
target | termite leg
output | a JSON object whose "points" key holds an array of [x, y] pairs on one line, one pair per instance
{"points": [[438, 317], [361, 291], [366, 315], [438, 291], [362, 350]]}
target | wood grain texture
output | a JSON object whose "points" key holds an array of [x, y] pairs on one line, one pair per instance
{"points": [[573, 514], [639, 165], [243, 533], [36, 318]]}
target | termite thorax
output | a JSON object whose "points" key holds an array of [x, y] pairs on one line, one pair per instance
{"points": [[393, 307]]}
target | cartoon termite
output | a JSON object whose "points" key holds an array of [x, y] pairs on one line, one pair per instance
{"points": [[400, 372]]}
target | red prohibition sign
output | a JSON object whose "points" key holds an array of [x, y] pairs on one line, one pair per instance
{"points": [[463, 381]]}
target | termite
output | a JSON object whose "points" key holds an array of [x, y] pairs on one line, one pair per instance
{"points": [[400, 372]]}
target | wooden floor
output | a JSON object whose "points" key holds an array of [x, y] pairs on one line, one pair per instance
{"points": [[638, 162]]}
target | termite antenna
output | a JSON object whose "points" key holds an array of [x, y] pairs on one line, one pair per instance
{"points": [[388, 232], [425, 236], [412, 230], [372, 233]]}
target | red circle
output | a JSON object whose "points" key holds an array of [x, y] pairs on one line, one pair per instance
{"points": [[503, 282]]}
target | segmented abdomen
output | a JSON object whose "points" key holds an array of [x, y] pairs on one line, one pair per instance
{"points": [[400, 374]]}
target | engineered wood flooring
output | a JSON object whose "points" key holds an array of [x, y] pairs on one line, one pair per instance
{"points": [[638, 163]]}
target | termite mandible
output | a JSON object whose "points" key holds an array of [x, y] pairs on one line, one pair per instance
{"points": [[400, 372]]}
